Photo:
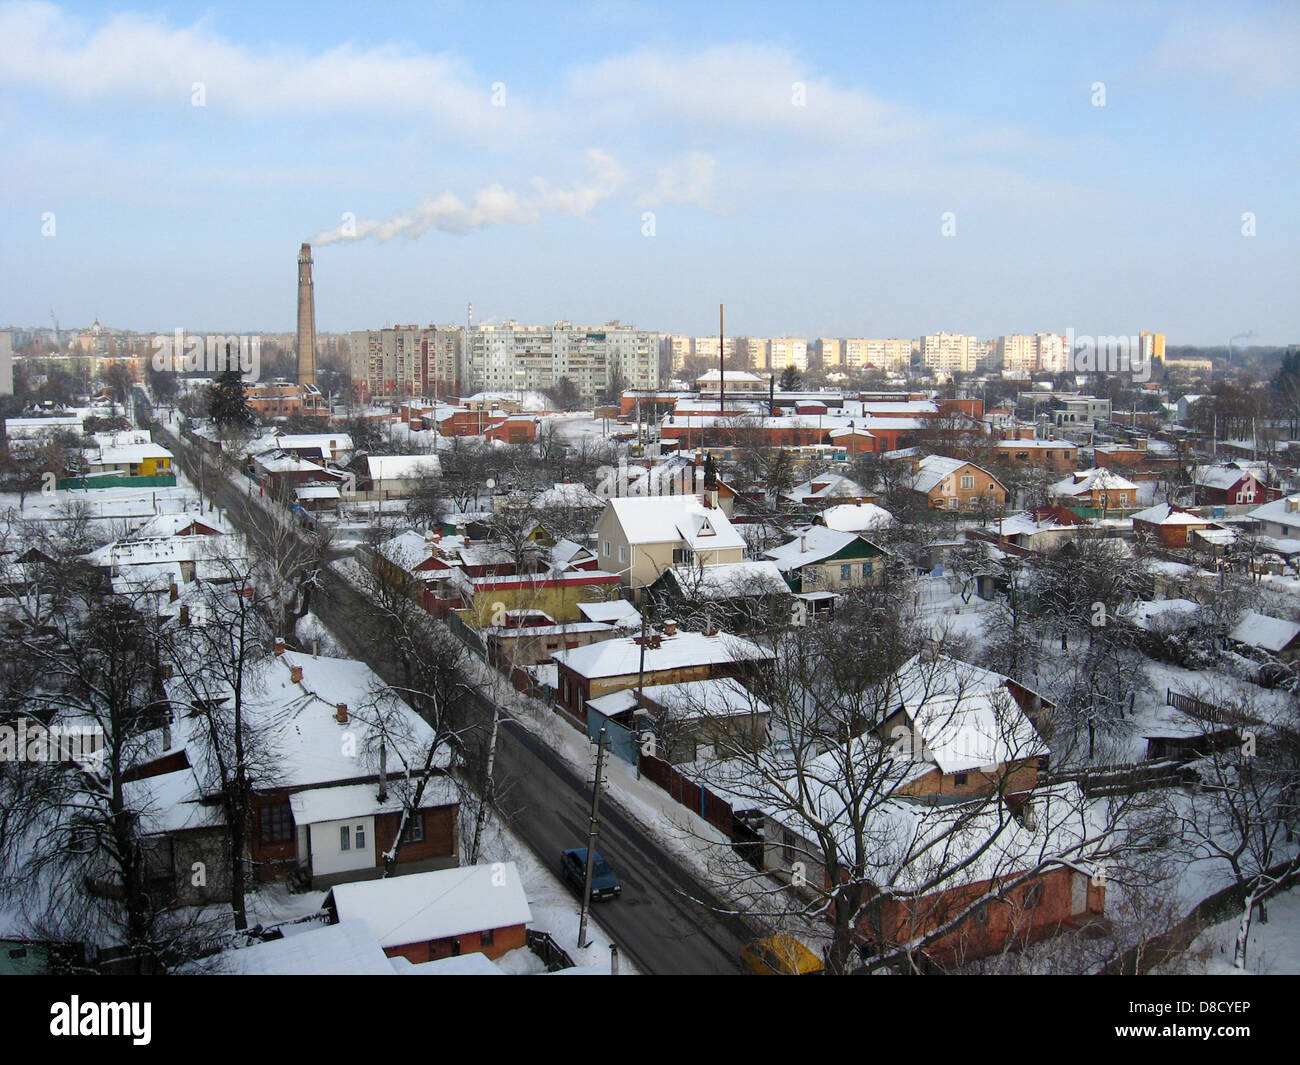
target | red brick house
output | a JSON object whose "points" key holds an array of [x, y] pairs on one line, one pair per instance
{"points": [[426, 916], [1231, 484], [1169, 525]]}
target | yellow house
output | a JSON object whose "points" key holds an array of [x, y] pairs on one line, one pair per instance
{"points": [[638, 537], [131, 460]]}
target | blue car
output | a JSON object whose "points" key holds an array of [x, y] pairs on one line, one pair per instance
{"points": [[604, 884]]}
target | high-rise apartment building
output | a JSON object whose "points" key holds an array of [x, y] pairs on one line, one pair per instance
{"points": [[707, 348], [783, 353], [952, 352], [861, 353], [830, 351], [444, 360]]}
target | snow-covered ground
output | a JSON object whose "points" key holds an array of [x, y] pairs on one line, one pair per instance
{"points": [[1273, 948]]}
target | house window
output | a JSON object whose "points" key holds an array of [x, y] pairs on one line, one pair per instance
{"points": [[622, 553], [1033, 896], [486, 939], [414, 830], [277, 823], [787, 846], [360, 840], [683, 556], [605, 548], [866, 571], [981, 914], [968, 481], [345, 838], [959, 779], [846, 572]]}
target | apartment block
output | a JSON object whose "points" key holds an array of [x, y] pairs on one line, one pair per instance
{"points": [[786, 352], [952, 352]]}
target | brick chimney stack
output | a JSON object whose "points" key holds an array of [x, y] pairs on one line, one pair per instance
{"points": [[306, 319], [341, 713]]}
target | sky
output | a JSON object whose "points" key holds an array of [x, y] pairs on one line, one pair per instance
{"points": [[887, 169]]}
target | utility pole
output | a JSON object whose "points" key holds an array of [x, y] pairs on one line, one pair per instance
{"points": [[591, 840]]}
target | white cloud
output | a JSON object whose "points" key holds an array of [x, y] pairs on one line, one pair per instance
{"points": [[130, 55], [741, 88]]}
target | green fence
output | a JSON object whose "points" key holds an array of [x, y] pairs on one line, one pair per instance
{"points": [[117, 480]]}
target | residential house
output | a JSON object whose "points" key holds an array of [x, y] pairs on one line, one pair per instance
{"points": [[1095, 489], [441, 914], [690, 721], [344, 776], [640, 537], [667, 657], [952, 484], [822, 559], [1171, 526], [1230, 484]]}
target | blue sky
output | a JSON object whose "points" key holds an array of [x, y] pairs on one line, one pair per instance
{"points": [[819, 219]]}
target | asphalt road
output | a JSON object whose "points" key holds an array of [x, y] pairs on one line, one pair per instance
{"points": [[656, 923]]}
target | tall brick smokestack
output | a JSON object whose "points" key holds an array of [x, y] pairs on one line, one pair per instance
{"points": [[306, 319]]}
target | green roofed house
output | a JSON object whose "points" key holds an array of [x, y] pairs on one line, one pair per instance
{"points": [[822, 559]]}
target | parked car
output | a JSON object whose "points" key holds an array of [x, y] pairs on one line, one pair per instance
{"points": [[604, 884], [781, 955]]}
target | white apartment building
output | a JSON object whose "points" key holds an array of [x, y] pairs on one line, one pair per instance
{"points": [[707, 348], [863, 353], [785, 352], [1018, 352], [830, 351], [952, 352]]}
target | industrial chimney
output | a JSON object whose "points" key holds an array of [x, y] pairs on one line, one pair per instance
{"points": [[306, 319]]}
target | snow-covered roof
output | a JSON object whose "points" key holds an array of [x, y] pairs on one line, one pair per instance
{"points": [[170, 802], [329, 444], [573, 495], [1168, 514], [1265, 632], [472, 964], [856, 517], [669, 519], [1279, 511], [933, 469], [298, 723], [335, 804], [1221, 475], [402, 467], [811, 546], [419, 907], [1097, 479], [618, 612], [730, 579], [622, 657], [126, 454], [827, 486], [965, 715], [348, 948]]}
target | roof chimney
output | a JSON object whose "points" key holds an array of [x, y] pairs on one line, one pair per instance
{"points": [[670, 628], [341, 712], [295, 674], [279, 646]]}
